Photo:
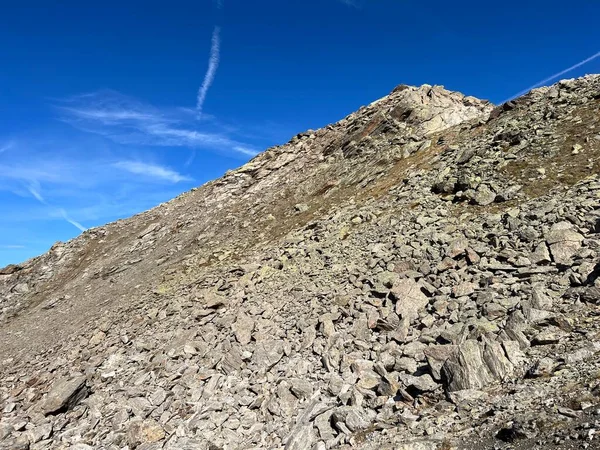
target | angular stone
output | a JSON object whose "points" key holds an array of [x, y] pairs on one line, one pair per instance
{"points": [[140, 406], [232, 361], [360, 328], [465, 369], [464, 289], [302, 438], [267, 354], [540, 255], [547, 337], [301, 388], [484, 195], [436, 357], [513, 353], [368, 379], [410, 300], [214, 301], [457, 248], [468, 396], [40, 432], [496, 360], [419, 444], [564, 242], [540, 300], [144, 432], [242, 328], [97, 338], [65, 395], [5, 430], [354, 418], [423, 383], [323, 424]]}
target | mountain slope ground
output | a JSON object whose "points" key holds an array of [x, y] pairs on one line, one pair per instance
{"points": [[422, 274]]}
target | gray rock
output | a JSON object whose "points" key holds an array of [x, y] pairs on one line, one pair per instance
{"points": [[5, 430], [540, 300], [547, 337], [40, 432], [564, 242], [436, 357], [302, 438], [354, 418], [267, 354], [242, 328], [301, 388], [64, 395], [423, 383], [323, 423], [484, 195], [410, 300], [496, 361], [540, 255], [465, 368], [467, 396]]}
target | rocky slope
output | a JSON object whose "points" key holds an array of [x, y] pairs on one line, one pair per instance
{"points": [[420, 275]]}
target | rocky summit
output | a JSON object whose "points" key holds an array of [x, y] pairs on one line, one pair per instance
{"points": [[422, 275]]}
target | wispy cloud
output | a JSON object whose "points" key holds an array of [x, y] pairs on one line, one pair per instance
{"points": [[554, 77], [83, 178], [213, 64], [6, 146], [127, 121], [11, 247], [245, 150], [34, 190], [65, 216], [152, 171]]}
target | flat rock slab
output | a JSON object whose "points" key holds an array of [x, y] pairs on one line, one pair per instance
{"points": [[267, 354], [409, 298], [64, 395], [564, 242]]}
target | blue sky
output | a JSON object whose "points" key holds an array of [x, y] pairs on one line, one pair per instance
{"points": [[109, 108]]}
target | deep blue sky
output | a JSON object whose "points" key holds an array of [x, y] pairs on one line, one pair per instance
{"points": [[97, 99]]}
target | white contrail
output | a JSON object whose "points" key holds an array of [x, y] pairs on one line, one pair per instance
{"points": [[554, 77], [63, 213], [213, 64], [34, 190]]}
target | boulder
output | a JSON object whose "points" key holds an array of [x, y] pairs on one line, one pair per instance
{"points": [[564, 242], [466, 369], [64, 395]]}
